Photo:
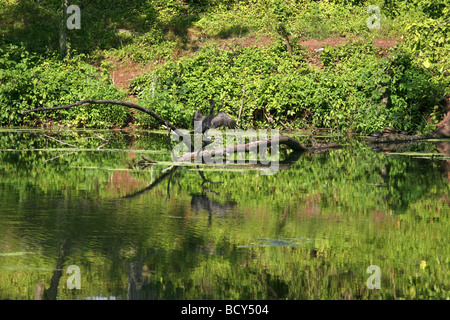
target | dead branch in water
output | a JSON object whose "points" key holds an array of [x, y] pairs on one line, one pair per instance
{"points": [[47, 136], [290, 142], [189, 157], [223, 151]]}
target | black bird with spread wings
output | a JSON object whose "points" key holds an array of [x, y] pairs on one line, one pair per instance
{"points": [[212, 121]]}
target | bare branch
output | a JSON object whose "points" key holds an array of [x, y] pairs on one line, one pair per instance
{"points": [[242, 105], [100, 137], [162, 121], [61, 141], [61, 155]]}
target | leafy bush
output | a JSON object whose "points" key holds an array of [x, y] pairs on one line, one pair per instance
{"points": [[390, 91], [430, 40], [353, 90], [178, 88], [28, 82]]}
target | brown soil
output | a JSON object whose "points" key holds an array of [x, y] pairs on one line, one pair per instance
{"points": [[125, 71], [247, 41], [312, 45]]}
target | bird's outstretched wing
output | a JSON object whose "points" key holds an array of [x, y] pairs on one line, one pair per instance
{"points": [[222, 119]]}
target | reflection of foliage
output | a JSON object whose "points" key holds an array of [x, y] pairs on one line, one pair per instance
{"points": [[360, 208]]}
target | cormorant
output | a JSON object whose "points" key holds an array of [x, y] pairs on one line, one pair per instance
{"points": [[212, 121]]}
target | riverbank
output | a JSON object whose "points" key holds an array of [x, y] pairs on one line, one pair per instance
{"points": [[270, 64]]}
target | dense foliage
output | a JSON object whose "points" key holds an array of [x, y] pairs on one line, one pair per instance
{"points": [[354, 86], [353, 207], [27, 82], [353, 90]]}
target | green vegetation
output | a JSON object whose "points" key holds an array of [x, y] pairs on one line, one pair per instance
{"points": [[309, 232], [347, 93], [354, 86], [28, 80]]}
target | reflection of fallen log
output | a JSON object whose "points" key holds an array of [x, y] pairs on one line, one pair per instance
{"points": [[252, 146], [282, 165], [397, 141], [163, 177]]}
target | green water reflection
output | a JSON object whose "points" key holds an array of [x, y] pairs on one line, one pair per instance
{"points": [[307, 232]]}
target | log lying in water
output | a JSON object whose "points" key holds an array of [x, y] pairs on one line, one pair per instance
{"points": [[223, 151], [442, 131], [404, 138]]}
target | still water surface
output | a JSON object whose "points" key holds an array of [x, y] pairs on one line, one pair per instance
{"points": [[310, 231]]}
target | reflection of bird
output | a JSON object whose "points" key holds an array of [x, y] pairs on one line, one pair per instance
{"points": [[202, 202], [212, 121]]}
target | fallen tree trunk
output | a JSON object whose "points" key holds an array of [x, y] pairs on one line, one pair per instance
{"points": [[396, 142], [403, 138], [223, 151]]}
